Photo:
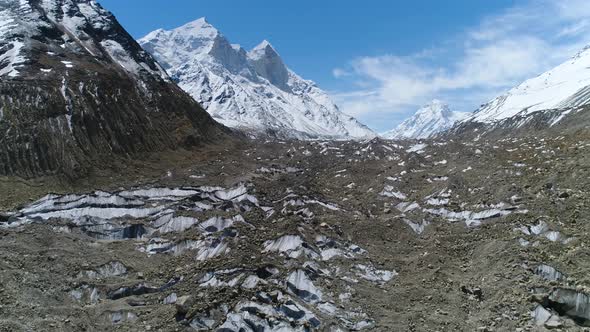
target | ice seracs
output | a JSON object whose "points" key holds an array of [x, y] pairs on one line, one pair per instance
{"points": [[428, 120], [250, 90]]}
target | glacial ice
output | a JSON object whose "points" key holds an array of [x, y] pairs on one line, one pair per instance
{"points": [[217, 224], [548, 272], [370, 273], [418, 228], [285, 243], [301, 285], [389, 191], [568, 302], [540, 315], [111, 269], [168, 223], [470, 218], [211, 249], [407, 207]]}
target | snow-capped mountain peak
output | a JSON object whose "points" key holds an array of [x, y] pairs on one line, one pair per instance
{"points": [[265, 51], [435, 108], [180, 45], [433, 118], [563, 87], [252, 90], [268, 63], [197, 30], [263, 47]]}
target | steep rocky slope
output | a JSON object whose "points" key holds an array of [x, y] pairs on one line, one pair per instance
{"points": [[253, 91], [76, 89]]}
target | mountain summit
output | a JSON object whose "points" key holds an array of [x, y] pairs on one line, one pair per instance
{"points": [[268, 64], [428, 120], [251, 90]]}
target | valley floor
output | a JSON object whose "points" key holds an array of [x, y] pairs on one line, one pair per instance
{"points": [[297, 236]]}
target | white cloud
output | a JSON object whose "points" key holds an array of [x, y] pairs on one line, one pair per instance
{"points": [[570, 9], [499, 53], [340, 73], [575, 29]]}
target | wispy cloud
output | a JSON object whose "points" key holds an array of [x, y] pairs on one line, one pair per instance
{"points": [[340, 73], [469, 69]]}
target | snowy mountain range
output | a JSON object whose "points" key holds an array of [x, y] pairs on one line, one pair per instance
{"points": [[251, 90], [428, 120], [563, 87], [539, 102], [76, 88]]}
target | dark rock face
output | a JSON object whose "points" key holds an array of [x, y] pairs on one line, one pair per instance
{"points": [[82, 91]]}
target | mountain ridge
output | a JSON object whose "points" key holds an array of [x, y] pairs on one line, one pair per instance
{"points": [[564, 86], [557, 99], [251, 90], [76, 90]]}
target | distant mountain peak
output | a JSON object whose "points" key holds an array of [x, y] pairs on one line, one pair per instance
{"points": [[202, 20], [437, 103], [263, 45], [432, 118], [435, 106], [252, 90], [268, 64], [198, 25], [264, 50], [179, 45], [199, 28]]}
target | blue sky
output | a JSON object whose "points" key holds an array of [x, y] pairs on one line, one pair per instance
{"points": [[381, 60]]}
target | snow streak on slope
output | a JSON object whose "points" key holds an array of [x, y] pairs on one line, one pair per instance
{"points": [[429, 120], [565, 86], [10, 49], [252, 90]]}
